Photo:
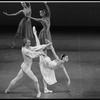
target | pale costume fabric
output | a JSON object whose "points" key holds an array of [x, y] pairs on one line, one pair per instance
{"points": [[48, 74], [28, 55]]}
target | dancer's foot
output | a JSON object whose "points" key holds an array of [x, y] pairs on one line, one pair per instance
{"points": [[46, 91], [7, 91], [38, 95]]}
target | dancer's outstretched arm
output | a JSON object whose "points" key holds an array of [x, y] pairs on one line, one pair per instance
{"points": [[64, 69], [14, 14]]}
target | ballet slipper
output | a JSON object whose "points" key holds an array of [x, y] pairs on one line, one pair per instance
{"points": [[7, 91], [38, 95], [46, 91]]}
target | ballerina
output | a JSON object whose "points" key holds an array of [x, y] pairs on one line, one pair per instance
{"points": [[45, 21], [47, 66], [24, 29]]}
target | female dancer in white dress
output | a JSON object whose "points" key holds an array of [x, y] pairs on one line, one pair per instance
{"points": [[25, 27], [28, 53], [47, 66]]}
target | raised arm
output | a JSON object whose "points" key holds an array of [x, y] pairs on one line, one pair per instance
{"points": [[29, 4], [48, 9], [14, 14]]}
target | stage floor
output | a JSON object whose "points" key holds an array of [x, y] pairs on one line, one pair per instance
{"points": [[83, 68]]}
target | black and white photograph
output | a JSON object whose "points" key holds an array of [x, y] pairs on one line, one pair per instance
{"points": [[49, 49]]}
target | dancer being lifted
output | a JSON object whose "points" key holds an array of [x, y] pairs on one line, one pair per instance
{"points": [[28, 53], [24, 28], [47, 65]]}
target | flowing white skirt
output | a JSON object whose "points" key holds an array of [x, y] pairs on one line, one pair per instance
{"points": [[48, 74]]}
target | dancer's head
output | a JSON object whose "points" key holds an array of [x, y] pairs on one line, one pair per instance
{"points": [[43, 13], [26, 42], [23, 4], [64, 57]]}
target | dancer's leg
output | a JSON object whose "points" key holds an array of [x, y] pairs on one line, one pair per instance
{"points": [[12, 83], [38, 43], [45, 87], [33, 77]]}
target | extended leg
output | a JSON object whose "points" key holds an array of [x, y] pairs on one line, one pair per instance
{"points": [[45, 87], [12, 83]]}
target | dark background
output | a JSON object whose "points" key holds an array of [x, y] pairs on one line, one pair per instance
{"points": [[62, 14], [76, 25]]}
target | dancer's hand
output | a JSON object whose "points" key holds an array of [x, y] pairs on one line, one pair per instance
{"points": [[48, 42], [68, 82], [45, 1], [22, 2], [5, 13]]}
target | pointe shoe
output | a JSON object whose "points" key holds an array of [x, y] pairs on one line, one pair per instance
{"points": [[7, 91], [46, 91], [38, 95]]}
